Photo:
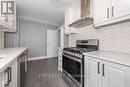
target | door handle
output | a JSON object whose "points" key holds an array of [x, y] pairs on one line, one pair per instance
{"points": [[103, 69], [98, 67], [112, 11], [10, 74], [107, 12], [7, 83]]}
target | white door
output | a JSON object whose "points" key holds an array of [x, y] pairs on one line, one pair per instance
{"points": [[116, 75], [93, 72], [120, 8], [52, 43]]}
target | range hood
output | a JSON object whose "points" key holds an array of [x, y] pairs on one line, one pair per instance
{"points": [[82, 22], [86, 15]]}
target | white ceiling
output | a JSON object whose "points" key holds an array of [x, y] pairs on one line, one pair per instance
{"points": [[45, 11]]}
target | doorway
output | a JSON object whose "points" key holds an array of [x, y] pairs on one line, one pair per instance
{"points": [[52, 43]]}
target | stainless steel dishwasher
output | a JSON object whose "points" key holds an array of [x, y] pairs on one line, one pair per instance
{"points": [[22, 69]]}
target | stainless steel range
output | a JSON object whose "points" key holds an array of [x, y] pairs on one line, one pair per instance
{"points": [[73, 61]]}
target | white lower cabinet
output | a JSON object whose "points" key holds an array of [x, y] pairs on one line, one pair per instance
{"points": [[2, 79], [100, 73], [13, 82], [116, 75], [92, 72], [8, 78]]}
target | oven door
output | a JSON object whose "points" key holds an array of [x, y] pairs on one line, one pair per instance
{"points": [[73, 67]]}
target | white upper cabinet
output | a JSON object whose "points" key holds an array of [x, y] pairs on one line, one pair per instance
{"points": [[110, 11], [101, 11], [8, 15], [68, 20], [120, 8], [75, 11]]}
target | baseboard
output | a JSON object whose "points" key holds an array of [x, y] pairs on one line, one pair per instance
{"points": [[39, 58]]}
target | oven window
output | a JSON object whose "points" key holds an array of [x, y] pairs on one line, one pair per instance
{"points": [[72, 67]]}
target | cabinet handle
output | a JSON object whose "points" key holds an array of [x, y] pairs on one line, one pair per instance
{"points": [[98, 67], [112, 11], [107, 12], [10, 74], [103, 70], [7, 84], [6, 18]]}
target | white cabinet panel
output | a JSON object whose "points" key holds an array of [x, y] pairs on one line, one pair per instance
{"points": [[75, 11], [13, 82], [115, 75], [120, 8], [68, 20], [110, 11], [7, 21], [2, 79], [100, 73], [92, 72], [101, 11], [11, 73]]}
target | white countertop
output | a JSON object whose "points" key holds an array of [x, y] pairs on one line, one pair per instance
{"points": [[10, 55], [121, 58]]}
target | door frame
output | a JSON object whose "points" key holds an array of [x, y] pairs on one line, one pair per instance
{"points": [[49, 30]]}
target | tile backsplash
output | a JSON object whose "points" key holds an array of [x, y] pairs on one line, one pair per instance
{"points": [[112, 38]]}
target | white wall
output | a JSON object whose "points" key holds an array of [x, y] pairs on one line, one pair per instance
{"points": [[112, 38], [30, 34], [1, 39]]}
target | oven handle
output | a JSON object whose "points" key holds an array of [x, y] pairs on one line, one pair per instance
{"points": [[70, 57]]}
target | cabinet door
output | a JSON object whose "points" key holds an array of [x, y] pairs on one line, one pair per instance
{"points": [[71, 15], [13, 82], [93, 77], [101, 11], [120, 8], [2, 79], [9, 20], [75, 12], [116, 75], [67, 17], [4, 15], [12, 19]]}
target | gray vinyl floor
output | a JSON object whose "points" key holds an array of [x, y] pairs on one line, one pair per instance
{"points": [[44, 73]]}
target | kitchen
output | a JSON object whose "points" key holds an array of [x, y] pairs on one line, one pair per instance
{"points": [[59, 43]]}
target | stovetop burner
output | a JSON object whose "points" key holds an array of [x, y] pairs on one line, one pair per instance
{"points": [[79, 50], [82, 46]]}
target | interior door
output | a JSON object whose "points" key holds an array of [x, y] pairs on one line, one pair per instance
{"points": [[115, 75], [52, 43], [93, 72]]}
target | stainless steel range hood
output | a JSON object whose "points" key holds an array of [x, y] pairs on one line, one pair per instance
{"points": [[82, 22], [86, 15]]}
